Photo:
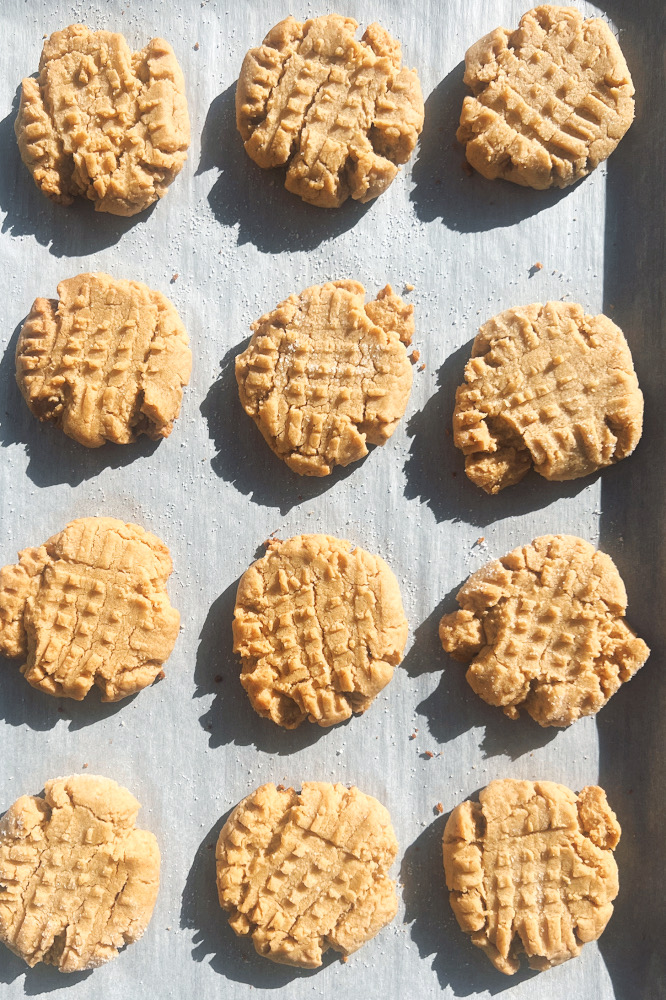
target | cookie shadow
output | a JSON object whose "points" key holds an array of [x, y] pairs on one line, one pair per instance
{"points": [[244, 459], [38, 980], [230, 956], [66, 230], [435, 932], [435, 468], [447, 188], [54, 458], [255, 200], [230, 717]]}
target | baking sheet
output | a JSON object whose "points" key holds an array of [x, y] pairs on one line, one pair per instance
{"points": [[191, 747]]}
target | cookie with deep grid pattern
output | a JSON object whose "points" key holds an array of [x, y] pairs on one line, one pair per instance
{"points": [[90, 606], [551, 99], [530, 870], [304, 872]]}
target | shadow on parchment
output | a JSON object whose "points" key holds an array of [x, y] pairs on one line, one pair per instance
{"points": [[231, 956], [255, 200], [39, 980]]}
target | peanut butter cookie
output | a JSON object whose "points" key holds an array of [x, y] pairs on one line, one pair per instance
{"points": [[339, 113], [103, 122], [90, 607], [530, 870], [77, 880], [326, 372], [319, 626], [107, 362], [301, 873], [543, 629], [551, 100], [546, 387]]}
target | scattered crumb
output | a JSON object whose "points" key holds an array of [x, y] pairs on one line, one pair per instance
{"points": [[422, 368], [85, 765], [447, 431], [196, 46], [428, 754], [280, 787], [174, 277], [218, 678], [344, 958], [439, 808], [413, 735], [481, 539], [414, 356], [538, 266], [468, 168], [160, 676], [409, 286]]}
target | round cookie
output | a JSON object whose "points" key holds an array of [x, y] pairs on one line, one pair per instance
{"points": [[107, 362], [77, 880], [319, 626], [543, 630], [551, 99], [90, 606], [550, 387], [102, 122], [530, 870], [339, 113], [325, 373], [301, 873]]}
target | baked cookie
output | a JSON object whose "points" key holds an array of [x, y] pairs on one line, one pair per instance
{"points": [[77, 880], [326, 372], [530, 870], [102, 122], [107, 362], [543, 629], [90, 606], [551, 100], [341, 114], [319, 626], [546, 387], [301, 873]]}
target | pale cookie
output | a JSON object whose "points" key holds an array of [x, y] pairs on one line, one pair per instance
{"points": [[339, 113], [102, 122], [531, 871], [90, 606], [301, 873], [543, 629], [77, 880], [319, 626], [107, 362], [551, 99], [547, 387], [327, 373]]}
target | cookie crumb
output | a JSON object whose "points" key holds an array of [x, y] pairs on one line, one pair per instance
{"points": [[413, 735], [409, 287], [344, 958], [439, 808], [422, 368], [174, 277], [218, 678], [196, 46], [414, 356], [160, 676], [429, 754], [85, 765], [480, 540], [280, 787], [536, 267]]}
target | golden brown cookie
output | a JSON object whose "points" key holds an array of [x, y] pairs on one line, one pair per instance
{"points": [[103, 122], [325, 373], [90, 606], [531, 871], [319, 626], [546, 387], [551, 99], [107, 362], [77, 880], [543, 629], [301, 873], [339, 113]]}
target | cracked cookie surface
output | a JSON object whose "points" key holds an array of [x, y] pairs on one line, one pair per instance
{"points": [[530, 870], [106, 362], [543, 630], [90, 607], [341, 114], [304, 872], [551, 99], [78, 881], [102, 122], [319, 626], [325, 373], [547, 387]]}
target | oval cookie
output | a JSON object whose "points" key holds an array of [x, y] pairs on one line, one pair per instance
{"points": [[551, 99], [326, 373], [530, 870], [78, 881], [543, 630], [547, 387], [90, 606], [340, 114], [102, 122], [106, 362], [304, 872], [319, 626]]}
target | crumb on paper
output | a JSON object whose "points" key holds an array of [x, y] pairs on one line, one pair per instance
{"points": [[196, 46], [409, 287], [413, 735], [535, 268], [429, 754], [174, 277], [480, 540], [160, 676], [344, 958], [218, 678], [422, 367], [414, 356], [439, 808], [85, 766]]}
